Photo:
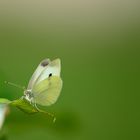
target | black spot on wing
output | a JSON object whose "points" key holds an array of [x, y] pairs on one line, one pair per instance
{"points": [[44, 63], [50, 74]]}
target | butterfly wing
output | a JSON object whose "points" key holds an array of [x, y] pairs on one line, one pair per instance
{"points": [[53, 68], [37, 73], [47, 84], [47, 91]]}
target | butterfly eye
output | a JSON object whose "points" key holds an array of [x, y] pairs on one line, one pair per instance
{"points": [[50, 74]]}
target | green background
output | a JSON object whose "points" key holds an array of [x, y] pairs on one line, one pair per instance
{"points": [[98, 43]]}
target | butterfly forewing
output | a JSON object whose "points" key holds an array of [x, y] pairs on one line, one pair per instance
{"points": [[37, 73], [53, 68]]}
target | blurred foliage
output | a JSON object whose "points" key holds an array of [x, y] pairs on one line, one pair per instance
{"points": [[3, 135]]}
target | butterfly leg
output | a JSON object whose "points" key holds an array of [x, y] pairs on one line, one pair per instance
{"points": [[41, 111], [35, 105]]}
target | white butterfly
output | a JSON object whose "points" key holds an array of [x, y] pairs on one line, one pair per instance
{"points": [[45, 84]]}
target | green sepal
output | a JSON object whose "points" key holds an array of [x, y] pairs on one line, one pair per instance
{"points": [[24, 106]]}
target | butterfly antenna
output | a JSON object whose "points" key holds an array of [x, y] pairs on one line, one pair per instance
{"points": [[15, 85]]}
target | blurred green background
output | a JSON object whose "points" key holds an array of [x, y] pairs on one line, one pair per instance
{"points": [[98, 43]]}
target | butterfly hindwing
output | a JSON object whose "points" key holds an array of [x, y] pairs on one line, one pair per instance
{"points": [[47, 91]]}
